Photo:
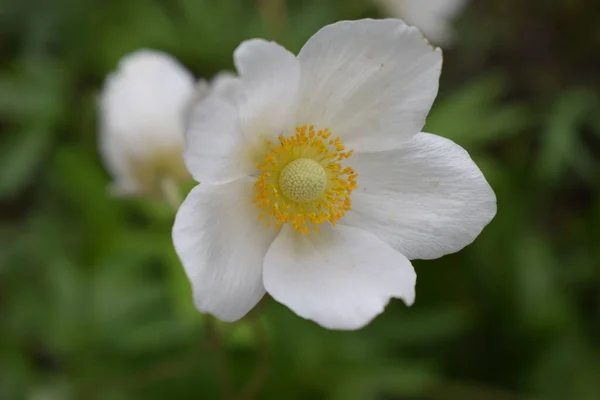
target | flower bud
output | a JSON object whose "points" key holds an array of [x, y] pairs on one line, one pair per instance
{"points": [[143, 107]]}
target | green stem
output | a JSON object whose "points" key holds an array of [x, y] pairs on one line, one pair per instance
{"points": [[212, 338], [171, 195], [253, 387]]}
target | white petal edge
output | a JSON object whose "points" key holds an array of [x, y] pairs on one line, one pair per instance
{"points": [[340, 278], [216, 150], [222, 84], [227, 129], [371, 82], [426, 199], [222, 244], [267, 96], [142, 107]]}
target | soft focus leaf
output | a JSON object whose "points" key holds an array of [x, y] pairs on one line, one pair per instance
{"points": [[20, 156], [474, 115], [94, 303], [540, 295], [562, 148]]}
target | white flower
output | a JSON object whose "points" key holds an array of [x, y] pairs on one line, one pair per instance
{"points": [[142, 120], [220, 84], [317, 186], [433, 17]]}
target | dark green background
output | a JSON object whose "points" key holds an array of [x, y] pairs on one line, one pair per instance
{"points": [[94, 304]]}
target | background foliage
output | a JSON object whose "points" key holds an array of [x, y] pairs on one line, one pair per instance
{"points": [[93, 302]]}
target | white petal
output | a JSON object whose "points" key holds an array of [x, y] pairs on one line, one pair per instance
{"points": [[224, 83], [340, 278], [226, 129], [222, 245], [216, 149], [426, 199], [142, 110], [221, 85], [371, 82], [267, 98]]}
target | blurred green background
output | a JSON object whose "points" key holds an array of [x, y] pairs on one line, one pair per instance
{"points": [[93, 301]]}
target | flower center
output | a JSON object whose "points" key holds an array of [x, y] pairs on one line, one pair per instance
{"points": [[302, 181]]}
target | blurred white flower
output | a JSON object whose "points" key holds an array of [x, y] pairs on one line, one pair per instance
{"points": [[433, 17], [142, 120], [317, 185]]}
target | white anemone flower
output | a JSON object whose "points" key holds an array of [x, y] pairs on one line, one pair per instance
{"points": [[316, 183], [433, 17], [142, 121]]}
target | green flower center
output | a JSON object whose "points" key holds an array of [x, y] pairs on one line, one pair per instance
{"points": [[303, 180]]}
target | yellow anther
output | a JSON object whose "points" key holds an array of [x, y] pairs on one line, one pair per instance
{"points": [[302, 181]]}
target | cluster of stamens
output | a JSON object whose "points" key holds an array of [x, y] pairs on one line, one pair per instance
{"points": [[302, 181]]}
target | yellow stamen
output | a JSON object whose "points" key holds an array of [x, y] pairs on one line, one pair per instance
{"points": [[303, 182]]}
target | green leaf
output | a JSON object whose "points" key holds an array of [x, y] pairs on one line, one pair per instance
{"points": [[21, 154], [540, 299], [82, 184], [568, 369], [561, 145], [476, 115], [33, 91]]}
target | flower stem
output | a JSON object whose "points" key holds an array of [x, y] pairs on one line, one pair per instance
{"points": [[274, 14], [212, 338], [253, 387], [171, 195]]}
